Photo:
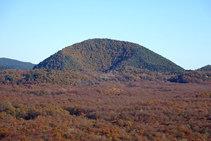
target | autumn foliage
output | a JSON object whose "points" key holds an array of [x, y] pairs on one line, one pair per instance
{"points": [[65, 105]]}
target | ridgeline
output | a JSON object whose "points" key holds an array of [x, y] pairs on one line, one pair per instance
{"points": [[6, 63]]}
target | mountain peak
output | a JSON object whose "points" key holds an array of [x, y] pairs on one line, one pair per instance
{"points": [[106, 55]]}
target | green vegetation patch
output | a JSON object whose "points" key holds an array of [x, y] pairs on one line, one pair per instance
{"points": [[106, 55]]}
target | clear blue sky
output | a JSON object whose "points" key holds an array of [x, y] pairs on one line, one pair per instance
{"points": [[179, 30]]}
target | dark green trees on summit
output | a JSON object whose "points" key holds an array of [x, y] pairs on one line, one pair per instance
{"points": [[106, 55]]}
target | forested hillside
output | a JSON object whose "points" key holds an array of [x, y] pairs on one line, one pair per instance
{"points": [[106, 55], [40, 76], [4, 68], [206, 68], [192, 77]]}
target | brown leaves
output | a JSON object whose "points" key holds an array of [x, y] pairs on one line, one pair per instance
{"points": [[139, 110]]}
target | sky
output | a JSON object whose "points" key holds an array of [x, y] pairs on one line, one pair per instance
{"points": [[179, 30]]}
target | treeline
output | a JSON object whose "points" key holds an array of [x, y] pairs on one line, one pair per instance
{"points": [[41, 76], [68, 77]]}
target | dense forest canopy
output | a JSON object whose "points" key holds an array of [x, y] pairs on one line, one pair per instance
{"points": [[106, 55], [132, 105]]}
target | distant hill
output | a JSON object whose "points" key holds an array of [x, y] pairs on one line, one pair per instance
{"points": [[196, 76], [4, 68], [15, 64], [205, 68], [105, 55]]}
